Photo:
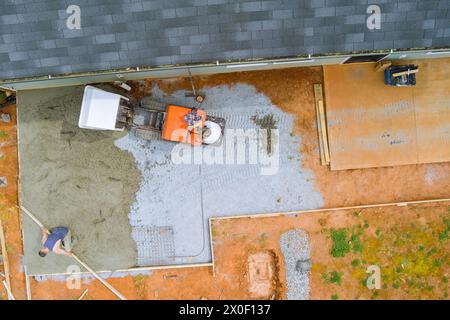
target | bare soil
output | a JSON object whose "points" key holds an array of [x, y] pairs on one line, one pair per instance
{"points": [[413, 228]]}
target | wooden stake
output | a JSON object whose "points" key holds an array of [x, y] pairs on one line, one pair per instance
{"points": [[321, 125], [365, 206], [324, 132], [318, 95], [27, 283], [106, 284], [32, 217], [136, 269], [83, 294], [8, 291], [211, 246], [5, 256]]}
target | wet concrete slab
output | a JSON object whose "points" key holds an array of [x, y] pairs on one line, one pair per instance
{"points": [[76, 178]]}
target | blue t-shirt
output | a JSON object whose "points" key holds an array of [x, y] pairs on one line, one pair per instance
{"points": [[57, 233]]}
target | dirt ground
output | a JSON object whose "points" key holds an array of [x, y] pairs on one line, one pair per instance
{"points": [[235, 239], [404, 273], [9, 213], [412, 227]]}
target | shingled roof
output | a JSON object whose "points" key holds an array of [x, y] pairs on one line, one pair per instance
{"points": [[35, 40]]}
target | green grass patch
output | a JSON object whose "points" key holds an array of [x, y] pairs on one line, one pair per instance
{"points": [[333, 277], [341, 245], [413, 256], [355, 262], [356, 243]]}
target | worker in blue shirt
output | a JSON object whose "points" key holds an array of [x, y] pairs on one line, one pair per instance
{"points": [[58, 240]]}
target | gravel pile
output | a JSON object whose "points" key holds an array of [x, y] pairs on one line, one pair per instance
{"points": [[181, 197], [295, 247]]}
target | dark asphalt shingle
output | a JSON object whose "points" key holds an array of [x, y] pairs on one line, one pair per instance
{"points": [[35, 40]]}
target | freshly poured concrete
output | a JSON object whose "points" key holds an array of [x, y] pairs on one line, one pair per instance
{"points": [[82, 179], [76, 178]]}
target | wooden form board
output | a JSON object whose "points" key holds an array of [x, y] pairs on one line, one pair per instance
{"points": [[374, 125], [27, 282], [83, 294], [321, 125], [5, 256], [7, 281]]}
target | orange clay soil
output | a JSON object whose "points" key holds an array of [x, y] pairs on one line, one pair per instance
{"points": [[405, 274], [234, 240], [9, 213], [393, 247]]}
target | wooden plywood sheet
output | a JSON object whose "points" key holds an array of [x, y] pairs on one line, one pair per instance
{"points": [[432, 102], [374, 125]]}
